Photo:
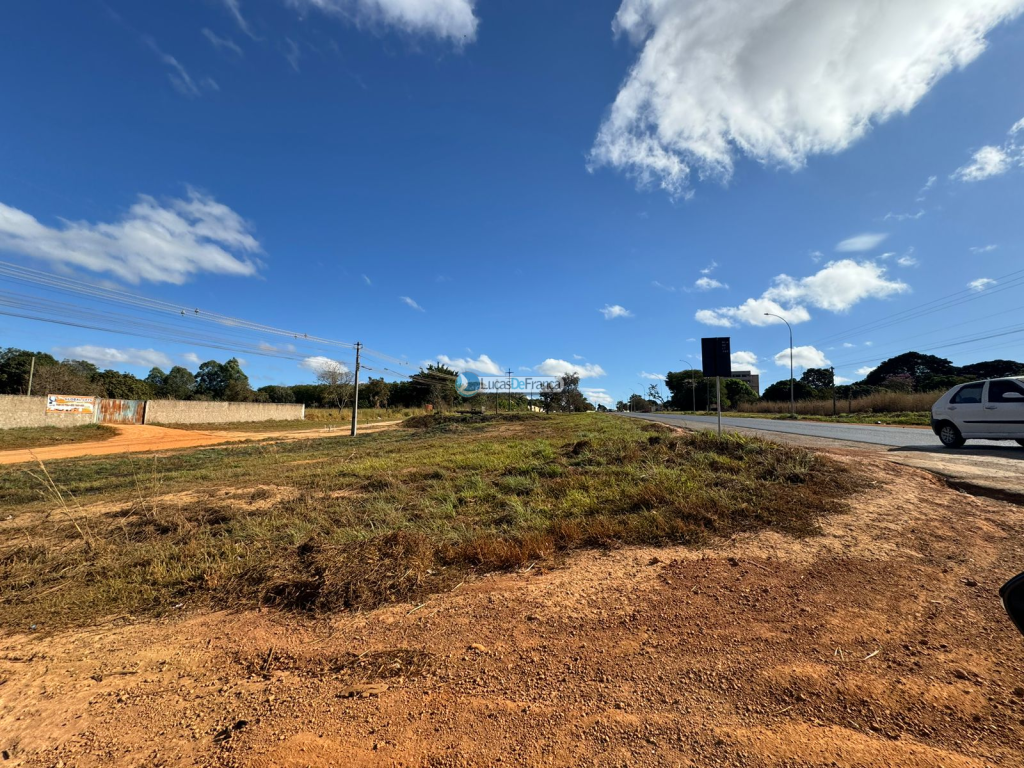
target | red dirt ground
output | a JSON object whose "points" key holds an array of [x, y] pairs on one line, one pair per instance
{"points": [[879, 643], [143, 438]]}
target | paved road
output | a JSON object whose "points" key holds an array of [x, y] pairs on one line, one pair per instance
{"points": [[857, 433]]}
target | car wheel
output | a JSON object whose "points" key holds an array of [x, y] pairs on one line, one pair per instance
{"points": [[950, 436]]}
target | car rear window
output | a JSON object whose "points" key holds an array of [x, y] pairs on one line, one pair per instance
{"points": [[997, 391], [968, 394]]}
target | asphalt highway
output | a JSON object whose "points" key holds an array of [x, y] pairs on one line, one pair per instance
{"points": [[896, 437]]}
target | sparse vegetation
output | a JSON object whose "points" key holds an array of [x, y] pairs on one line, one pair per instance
{"points": [[39, 437], [323, 525], [316, 418]]}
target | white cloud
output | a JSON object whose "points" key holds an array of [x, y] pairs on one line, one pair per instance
{"points": [[319, 363], [452, 20], [983, 248], [290, 348], [292, 54], [222, 43], [599, 396], [866, 370], [656, 284], [612, 311], [906, 260], [708, 284], [816, 256], [987, 162], [744, 361], [865, 242], [234, 8], [146, 358], [367, 280], [190, 357], [775, 80], [160, 243], [869, 343], [842, 380], [981, 284], [925, 189], [709, 268], [578, 357], [751, 312], [178, 75], [553, 367], [848, 345], [482, 364], [836, 287], [652, 376], [803, 357], [890, 216], [409, 302]]}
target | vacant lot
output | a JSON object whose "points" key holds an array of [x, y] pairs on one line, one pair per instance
{"points": [[37, 437], [327, 525], [834, 610]]}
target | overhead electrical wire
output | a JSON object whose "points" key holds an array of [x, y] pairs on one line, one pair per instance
{"points": [[1007, 282], [232, 332]]}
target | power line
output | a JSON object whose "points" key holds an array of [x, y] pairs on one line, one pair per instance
{"points": [[1007, 282]]}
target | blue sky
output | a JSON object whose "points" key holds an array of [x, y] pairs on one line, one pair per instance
{"points": [[548, 185]]}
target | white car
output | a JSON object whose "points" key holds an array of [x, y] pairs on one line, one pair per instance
{"points": [[981, 410]]}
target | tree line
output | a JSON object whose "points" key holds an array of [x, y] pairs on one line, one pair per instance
{"points": [[434, 384], [907, 373]]}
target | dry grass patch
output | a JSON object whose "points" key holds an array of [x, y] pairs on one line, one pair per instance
{"points": [[324, 526], [39, 437]]}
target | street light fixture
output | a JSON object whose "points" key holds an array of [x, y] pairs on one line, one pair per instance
{"points": [[792, 381]]}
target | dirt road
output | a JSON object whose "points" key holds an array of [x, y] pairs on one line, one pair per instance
{"points": [[139, 439], [879, 643]]}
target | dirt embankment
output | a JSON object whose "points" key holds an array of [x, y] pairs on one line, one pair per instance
{"points": [[879, 643]]}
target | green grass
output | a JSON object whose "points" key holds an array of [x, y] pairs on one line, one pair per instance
{"points": [[908, 418], [318, 418], [39, 437], [325, 525]]}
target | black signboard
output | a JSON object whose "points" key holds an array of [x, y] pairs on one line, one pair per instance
{"points": [[715, 357]]}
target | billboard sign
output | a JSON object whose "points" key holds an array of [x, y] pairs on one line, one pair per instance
{"points": [[715, 357], [70, 404]]}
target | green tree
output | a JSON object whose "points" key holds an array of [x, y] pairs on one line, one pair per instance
{"points": [[818, 379], [991, 369], [689, 390], [64, 379], [157, 379], [276, 393], [736, 393], [14, 369], [377, 392], [440, 381], [83, 368], [179, 384], [779, 392], [125, 386], [913, 364]]}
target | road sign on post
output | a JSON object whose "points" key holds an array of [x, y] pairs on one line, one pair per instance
{"points": [[716, 361]]}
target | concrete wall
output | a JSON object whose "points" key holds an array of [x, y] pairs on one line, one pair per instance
{"points": [[21, 411], [198, 412]]}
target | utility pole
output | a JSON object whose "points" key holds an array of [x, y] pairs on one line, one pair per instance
{"points": [[510, 390], [355, 398], [31, 373], [792, 381], [833, 369]]}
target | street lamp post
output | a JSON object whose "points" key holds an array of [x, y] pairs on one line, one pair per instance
{"points": [[792, 381]]}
